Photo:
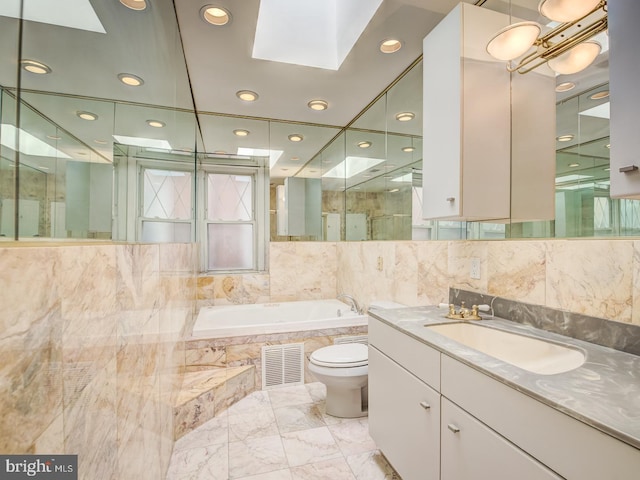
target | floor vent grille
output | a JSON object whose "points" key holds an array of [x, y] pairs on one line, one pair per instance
{"points": [[282, 365], [352, 339]]}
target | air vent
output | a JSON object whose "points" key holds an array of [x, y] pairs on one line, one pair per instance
{"points": [[352, 339], [282, 365]]}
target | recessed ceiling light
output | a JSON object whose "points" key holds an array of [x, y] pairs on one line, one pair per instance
{"points": [[391, 45], [156, 123], [134, 4], [405, 116], [565, 86], [241, 133], [284, 169], [217, 16], [600, 95], [364, 144], [318, 105], [574, 165], [54, 137], [130, 79], [35, 67], [247, 95], [608, 145], [394, 190], [220, 152], [391, 165], [366, 175], [564, 138], [87, 115], [296, 137], [408, 149], [100, 142], [295, 159]]}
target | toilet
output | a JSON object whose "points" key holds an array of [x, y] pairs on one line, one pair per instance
{"points": [[344, 369]]}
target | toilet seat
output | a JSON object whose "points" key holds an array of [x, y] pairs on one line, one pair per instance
{"points": [[345, 355]]}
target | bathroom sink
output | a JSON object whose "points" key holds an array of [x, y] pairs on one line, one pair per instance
{"points": [[532, 354]]}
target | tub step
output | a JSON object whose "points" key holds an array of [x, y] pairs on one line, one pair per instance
{"points": [[207, 393]]}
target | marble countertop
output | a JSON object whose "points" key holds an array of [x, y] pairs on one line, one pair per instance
{"points": [[604, 392]]}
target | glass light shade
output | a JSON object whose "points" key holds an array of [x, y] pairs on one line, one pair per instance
{"points": [[576, 59], [513, 41], [566, 10]]}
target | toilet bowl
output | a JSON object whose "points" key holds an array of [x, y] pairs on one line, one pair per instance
{"points": [[344, 370]]}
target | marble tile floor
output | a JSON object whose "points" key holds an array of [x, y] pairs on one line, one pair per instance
{"points": [[279, 434]]}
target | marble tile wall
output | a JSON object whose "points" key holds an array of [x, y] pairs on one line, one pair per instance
{"points": [[91, 338]]}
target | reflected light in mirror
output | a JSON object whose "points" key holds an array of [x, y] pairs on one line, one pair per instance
{"points": [[137, 5], [576, 59], [130, 79], [241, 133], [143, 142], [295, 137], [566, 10], [405, 116], [87, 116], [565, 138], [565, 86], [352, 166], [247, 95], [28, 144], [35, 67], [408, 149], [600, 95], [513, 40], [364, 144], [156, 123]]}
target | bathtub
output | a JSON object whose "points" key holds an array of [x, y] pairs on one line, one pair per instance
{"points": [[265, 318]]}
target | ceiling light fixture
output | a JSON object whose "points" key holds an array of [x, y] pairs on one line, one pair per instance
{"points": [[87, 115], [217, 16], [607, 169], [565, 138], [600, 95], [390, 45], [394, 190], [565, 87], [608, 145], [54, 137], [408, 149], [241, 133], [295, 159], [247, 95], [100, 142], [35, 67], [318, 105], [156, 123], [574, 165], [295, 137], [365, 144], [405, 116], [130, 79], [565, 52], [137, 5]]}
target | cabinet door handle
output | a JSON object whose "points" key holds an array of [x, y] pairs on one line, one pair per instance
{"points": [[425, 405], [453, 428], [451, 199]]}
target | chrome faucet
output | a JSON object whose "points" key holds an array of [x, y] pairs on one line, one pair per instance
{"points": [[354, 304]]}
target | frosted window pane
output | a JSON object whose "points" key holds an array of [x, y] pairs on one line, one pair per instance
{"points": [[167, 194], [166, 232], [230, 246], [229, 197]]}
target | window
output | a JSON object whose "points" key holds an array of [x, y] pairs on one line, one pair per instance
{"points": [[166, 205], [228, 216]]}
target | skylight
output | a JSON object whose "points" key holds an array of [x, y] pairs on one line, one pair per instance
{"points": [[352, 166], [600, 111], [143, 142], [313, 33], [408, 177], [571, 178], [78, 14], [274, 155], [29, 145]]}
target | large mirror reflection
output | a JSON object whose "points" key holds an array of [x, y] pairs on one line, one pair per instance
{"points": [[107, 144]]}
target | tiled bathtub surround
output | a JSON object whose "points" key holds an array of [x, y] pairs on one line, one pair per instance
{"points": [[618, 335], [90, 338], [237, 351]]}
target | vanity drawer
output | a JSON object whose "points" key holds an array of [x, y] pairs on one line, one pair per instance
{"points": [[573, 449], [420, 359]]}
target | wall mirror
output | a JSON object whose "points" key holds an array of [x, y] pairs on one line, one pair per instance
{"points": [[84, 177]]}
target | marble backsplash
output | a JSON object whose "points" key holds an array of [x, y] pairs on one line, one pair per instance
{"points": [[93, 353]]}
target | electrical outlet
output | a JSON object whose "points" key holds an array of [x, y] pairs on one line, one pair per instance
{"points": [[380, 264], [474, 271]]}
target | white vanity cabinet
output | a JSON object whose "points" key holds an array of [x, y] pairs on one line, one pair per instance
{"points": [[404, 418], [471, 451], [434, 417]]}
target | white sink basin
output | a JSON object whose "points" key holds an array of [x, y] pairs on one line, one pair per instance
{"points": [[532, 354]]}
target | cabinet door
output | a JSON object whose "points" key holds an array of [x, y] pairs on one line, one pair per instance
{"points": [[404, 419], [471, 450]]}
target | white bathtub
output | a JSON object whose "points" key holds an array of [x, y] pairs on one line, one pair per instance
{"points": [[264, 318]]}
